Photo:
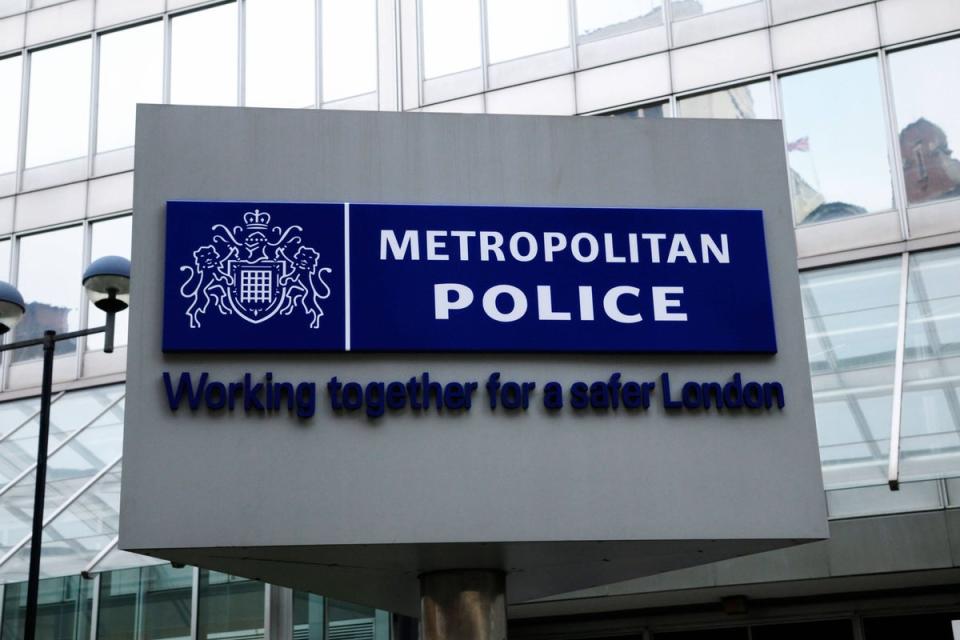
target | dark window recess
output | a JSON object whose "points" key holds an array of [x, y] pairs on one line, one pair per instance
{"points": [[729, 633], [823, 630], [929, 627]]}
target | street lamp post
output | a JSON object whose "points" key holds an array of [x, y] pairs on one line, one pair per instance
{"points": [[107, 282]]}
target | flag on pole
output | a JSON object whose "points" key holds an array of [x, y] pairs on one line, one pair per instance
{"points": [[800, 144]]}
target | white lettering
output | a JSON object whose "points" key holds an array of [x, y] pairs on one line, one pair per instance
{"points": [[450, 296], [552, 243], [662, 304], [464, 246], [435, 242], [608, 249], [388, 238], [490, 303], [681, 247], [577, 249], [611, 304], [545, 305], [654, 239], [708, 246], [490, 242], [586, 302], [515, 246]]}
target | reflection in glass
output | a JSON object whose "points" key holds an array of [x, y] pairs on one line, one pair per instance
{"points": [[203, 50], [148, 602], [10, 69], [645, 111], [81, 531], [926, 93], [131, 71], [598, 19], [70, 468], [451, 36], [109, 238], [850, 314], [59, 103], [349, 42], [63, 612], [50, 287], [930, 429], [834, 125], [747, 102], [229, 607], [518, 29], [18, 451], [279, 60], [681, 9]]}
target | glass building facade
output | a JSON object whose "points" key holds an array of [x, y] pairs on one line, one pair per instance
{"points": [[868, 95]]}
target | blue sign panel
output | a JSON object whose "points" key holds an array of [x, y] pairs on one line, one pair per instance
{"points": [[376, 277]]}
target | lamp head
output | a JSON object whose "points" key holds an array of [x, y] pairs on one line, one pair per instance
{"points": [[12, 307], [107, 281]]}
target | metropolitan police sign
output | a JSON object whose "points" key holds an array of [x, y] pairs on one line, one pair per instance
{"points": [[572, 350], [264, 276]]}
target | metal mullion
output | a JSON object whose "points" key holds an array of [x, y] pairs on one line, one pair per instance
{"points": [[24, 112], [666, 13], [32, 417], [195, 605], [894, 158], [97, 559], [484, 53], [84, 310], [241, 52], [777, 96], [167, 41], [23, 474], [573, 28], [398, 52], [318, 54], [421, 73], [376, 53], [95, 608], [6, 359], [66, 505], [94, 100], [893, 467]]}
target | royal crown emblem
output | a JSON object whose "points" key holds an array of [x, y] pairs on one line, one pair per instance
{"points": [[255, 271]]}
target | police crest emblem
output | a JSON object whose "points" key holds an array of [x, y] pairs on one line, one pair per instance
{"points": [[254, 271]]}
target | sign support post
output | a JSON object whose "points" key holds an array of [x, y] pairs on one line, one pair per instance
{"points": [[463, 605]]}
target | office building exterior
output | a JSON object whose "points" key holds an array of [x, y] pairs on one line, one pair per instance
{"points": [[866, 92]]}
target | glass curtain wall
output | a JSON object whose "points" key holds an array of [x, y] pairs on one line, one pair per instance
{"points": [[229, 607], [203, 50], [451, 36], [10, 82], [348, 41], [599, 19], [148, 603], [279, 59], [520, 29], [836, 142], [850, 313], [744, 102]]}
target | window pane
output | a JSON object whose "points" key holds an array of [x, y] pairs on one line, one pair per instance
{"points": [[131, 71], [109, 238], [689, 8], [646, 111], [58, 120], [598, 19], [926, 92], [308, 616], [346, 620], [10, 70], [930, 438], [156, 597], [204, 57], [229, 607], [836, 142], [850, 313], [451, 36], [280, 53], [63, 612], [517, 29], [746, 102], [49, 280], [349, 48]]}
